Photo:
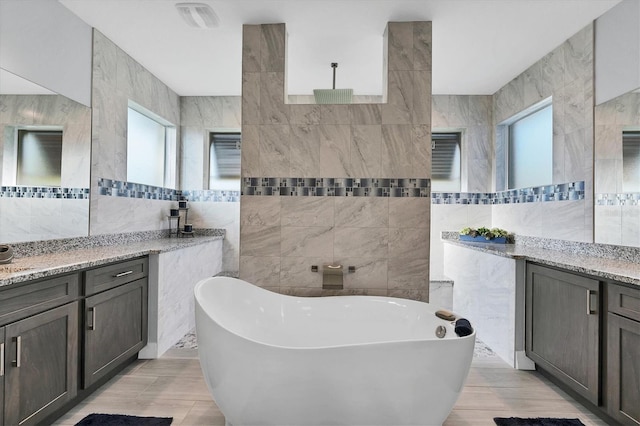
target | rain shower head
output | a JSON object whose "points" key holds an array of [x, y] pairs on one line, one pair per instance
{"points": [[333, 96]]}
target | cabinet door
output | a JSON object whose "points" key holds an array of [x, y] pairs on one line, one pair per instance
{"points": [[2, 370], [41, 355], [623, 369], [115, 328], [563, 327]]}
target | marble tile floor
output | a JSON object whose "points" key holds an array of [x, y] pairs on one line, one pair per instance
{"points": [[173, 386]]}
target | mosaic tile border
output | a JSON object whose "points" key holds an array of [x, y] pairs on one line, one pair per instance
{"points": [[537, 194], [212, 195], [118, 188], [336, 187], [623, 199], [44, 192]]}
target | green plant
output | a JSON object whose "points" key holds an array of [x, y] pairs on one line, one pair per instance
{"points": [[485, 232]]}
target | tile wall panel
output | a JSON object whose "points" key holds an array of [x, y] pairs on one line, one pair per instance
{"points": [[117, 79], [565, 74], [212, 207], [318, 180]]}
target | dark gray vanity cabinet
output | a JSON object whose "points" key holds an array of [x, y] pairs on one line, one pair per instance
{"points": [[563, 327], [115, 312], [2, 358], [40, 348], [623, 354]]}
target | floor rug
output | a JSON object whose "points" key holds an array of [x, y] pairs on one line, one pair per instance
{"points": [[123, 420], [538, 421]]}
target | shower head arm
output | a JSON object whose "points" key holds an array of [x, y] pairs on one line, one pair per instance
{"points": [[334, 65]]}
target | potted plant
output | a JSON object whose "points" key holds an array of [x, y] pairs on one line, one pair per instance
{"points": [[485, 235]]}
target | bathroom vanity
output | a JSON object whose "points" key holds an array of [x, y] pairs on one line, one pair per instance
{"points": [[95, 320], [71, 320], [572, 314]]}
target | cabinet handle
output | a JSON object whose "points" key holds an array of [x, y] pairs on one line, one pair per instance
{"points": [[18, 340], [122, 274], [1, 359], [92, 325], [591, 311]]}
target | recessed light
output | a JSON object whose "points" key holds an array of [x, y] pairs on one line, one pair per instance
{"points": [[198, 15]]}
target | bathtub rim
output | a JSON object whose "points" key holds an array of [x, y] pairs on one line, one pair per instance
{"points": [[450, 324]]}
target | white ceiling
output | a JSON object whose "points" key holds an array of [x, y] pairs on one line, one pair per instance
{"points": [[11, 84], [478, 45]]}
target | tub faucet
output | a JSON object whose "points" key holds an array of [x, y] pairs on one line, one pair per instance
{"points": [[332, 277]]}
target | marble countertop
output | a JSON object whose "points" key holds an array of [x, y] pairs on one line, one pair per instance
{"points": [[621, 270], [33, 267]]}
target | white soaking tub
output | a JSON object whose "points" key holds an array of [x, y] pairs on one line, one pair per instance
{"points": [[271, 359]]}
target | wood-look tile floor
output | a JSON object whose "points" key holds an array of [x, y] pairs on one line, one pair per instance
{"points": [[173, 386]]}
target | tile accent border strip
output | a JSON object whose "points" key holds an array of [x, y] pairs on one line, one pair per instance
{"points": [[117, 188], [623, 199], [44, 192], [558, 192], [212, 195], [336, 187]]}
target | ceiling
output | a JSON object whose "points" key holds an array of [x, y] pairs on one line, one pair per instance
{"points": [[478, 45]]}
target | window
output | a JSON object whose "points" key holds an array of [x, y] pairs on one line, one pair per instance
{"points": [[148, 146], [631, 161], [224, 160], [39, 157], [530, 150], [445, 162]]}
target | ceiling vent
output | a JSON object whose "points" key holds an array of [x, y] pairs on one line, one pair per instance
{"points": [[198, 15]]}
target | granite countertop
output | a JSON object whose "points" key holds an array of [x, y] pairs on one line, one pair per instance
{"points": [[624, 269], [44, 265]]}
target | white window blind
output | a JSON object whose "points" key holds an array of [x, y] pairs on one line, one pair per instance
{"points": [[445, 162]]}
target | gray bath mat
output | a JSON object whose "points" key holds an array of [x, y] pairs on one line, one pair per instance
{"points": [[123, 420], [537, 421]]}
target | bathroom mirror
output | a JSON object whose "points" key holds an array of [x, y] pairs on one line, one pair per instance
{"points": [[45, 146], [617, 171]]}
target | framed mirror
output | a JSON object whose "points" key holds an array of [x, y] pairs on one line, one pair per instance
{"points": [[617, 171], [45, 147]]}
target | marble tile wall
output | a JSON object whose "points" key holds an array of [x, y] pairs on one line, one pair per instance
{"points": [[171, 306], [566, 74], [452, 217], [473, 117], [617, 214], [493, 308], [209, 207], [118, 78], [385, 238], [36, 219], [49, 110]]}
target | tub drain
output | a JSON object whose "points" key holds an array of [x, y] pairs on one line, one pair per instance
{"points": [[441, 331]]}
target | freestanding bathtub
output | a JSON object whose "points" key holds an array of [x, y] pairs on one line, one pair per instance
{"points": [[271, 359]]}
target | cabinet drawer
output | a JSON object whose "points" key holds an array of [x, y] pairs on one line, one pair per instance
{"points": [[624, 301], [110, 276], [36, 297]]}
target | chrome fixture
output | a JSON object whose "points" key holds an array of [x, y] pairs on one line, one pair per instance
{"points": [[332, 277], [333, 96]]}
